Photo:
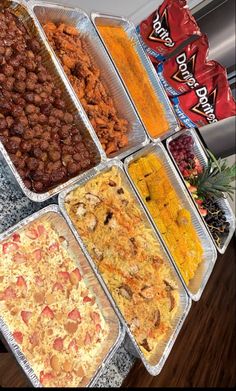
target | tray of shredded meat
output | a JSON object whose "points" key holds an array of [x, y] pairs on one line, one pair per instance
{"points": [[138, 74], [45, 137], [91, 73], [129, 260], [54, 314]]}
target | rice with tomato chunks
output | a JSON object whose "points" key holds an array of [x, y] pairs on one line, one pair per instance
{"points": [[48, 307], [128, 256]]}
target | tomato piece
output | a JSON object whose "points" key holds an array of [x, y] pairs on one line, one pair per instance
{"points": [[64, 275], [9, 247], [16, 237], [73, 345], [9, 293], [34, 339], [87, 339], [98, 328], [21, 282], [18, 336], [26, 315], [75, 315], [32, 233], [47, 312], [39, 280], [58, 344], [45, 377], [95, 317], [38, 254], [19, 258], [57, 287], [41, 229], [75, 276], [53, 247], [87, 299]]}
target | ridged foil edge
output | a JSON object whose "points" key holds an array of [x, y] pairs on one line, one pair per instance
{"points": [[152, 74], [20, 357], [128, 160], [154, 370], [223, 203]]}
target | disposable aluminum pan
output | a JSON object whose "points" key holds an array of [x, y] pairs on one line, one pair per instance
{"points": [[200, 152], [116, 330], [198, 282], [23, 12], [165, 347], [108, 20], [75, 17]]}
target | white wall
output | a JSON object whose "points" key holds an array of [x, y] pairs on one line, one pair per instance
{"points": [[141, 8]]}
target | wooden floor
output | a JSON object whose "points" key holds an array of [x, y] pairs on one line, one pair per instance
{"points": [[204, 353]]}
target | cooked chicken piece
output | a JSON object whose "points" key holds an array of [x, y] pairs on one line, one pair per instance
{"points": [[172, 301], [145, 345], [168, 286], [91, 221], [147, 292], [81, 210], [134, 324], [157, 318], [126, 292], [98, 254], [92, 199]]}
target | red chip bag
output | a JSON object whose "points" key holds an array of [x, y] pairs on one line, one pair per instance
{"points": [[186, 70], [207, 103], [167, 28]]}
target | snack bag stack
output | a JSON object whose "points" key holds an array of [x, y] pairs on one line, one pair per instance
{"points": [[198, 88]]}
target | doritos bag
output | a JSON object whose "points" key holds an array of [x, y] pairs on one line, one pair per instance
{"points": [[207, 103], [167, 28], [186, 70]]}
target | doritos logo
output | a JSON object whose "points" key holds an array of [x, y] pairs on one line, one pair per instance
{"points": [[186, 70], [161, 32], [206, 104]]}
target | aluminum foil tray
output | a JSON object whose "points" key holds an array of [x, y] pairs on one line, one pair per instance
{"points": [[201, 154], [116, 330], [75, 17], [198, 283], [23, 12], [102, 19], [165, 347]]}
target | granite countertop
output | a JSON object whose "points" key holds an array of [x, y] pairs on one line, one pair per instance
{"points": [[15, 206]]}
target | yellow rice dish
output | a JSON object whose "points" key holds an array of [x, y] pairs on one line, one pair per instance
{"points": [[45, 301], [128, 256], [172, 220]]}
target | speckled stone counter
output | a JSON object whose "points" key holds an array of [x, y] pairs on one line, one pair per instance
{"points": [[14, 206]]}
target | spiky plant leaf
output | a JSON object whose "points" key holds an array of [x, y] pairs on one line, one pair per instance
{"points": [[216, 178]]}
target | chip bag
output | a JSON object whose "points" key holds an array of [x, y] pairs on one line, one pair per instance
{"points": [[186, 70], [207, 103], [167, 28]]}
